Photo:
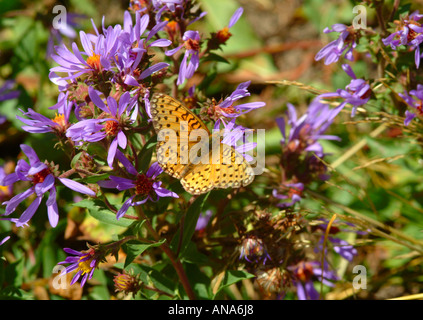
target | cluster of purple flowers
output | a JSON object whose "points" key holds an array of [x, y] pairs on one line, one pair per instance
{"points": [[104, 90], [302, 151], [409, 32]]}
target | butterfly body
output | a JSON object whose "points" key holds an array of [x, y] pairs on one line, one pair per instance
{"points": [[199, 165]]}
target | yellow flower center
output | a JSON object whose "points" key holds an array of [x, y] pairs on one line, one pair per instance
{"points": [[84, 266], [60, 119], [94, 62]]}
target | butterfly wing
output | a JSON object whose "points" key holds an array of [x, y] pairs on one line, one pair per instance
{"points": [[173, 119], [233, 171], [228, 170]]}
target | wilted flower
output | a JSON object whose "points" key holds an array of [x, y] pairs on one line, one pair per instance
{"points": [[127, 283], [220, 37], [253, 250], [270, 281]]}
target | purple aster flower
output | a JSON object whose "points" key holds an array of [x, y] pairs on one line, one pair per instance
{"points": [[356, 93], [133, 46], [43, 181], [408, 32], [307, 130], [414, 99], [191, 59], [41, 124], [304, 273], [227, 107], [84, 262], [99, 50], [111, 125], [223, 35], [203, 220], [343, 248], [302, 151], [144, 186], [344, 45]]}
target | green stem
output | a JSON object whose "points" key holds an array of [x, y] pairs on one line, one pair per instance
{"points": [[166, 249]]}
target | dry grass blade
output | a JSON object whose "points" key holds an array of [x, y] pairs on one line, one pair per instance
{"points": [[299, 85]]}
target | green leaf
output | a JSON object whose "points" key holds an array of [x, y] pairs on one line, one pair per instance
{"points": [[233, 276], [215, 57], [190, 222], [144, 156], [134, 248], [75, 159], [96, 178], [97, 210]]}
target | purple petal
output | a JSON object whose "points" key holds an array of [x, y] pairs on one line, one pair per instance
{"points": [[124, 208], [121, 138], [235, 16], [29, 212], [112, 152], [158, 66], [30, 153], [76, 186], [47, 184], [53, 214], [16, 200]]}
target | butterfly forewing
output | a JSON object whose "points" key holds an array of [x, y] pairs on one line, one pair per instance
{"points": [[221, 167]]}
